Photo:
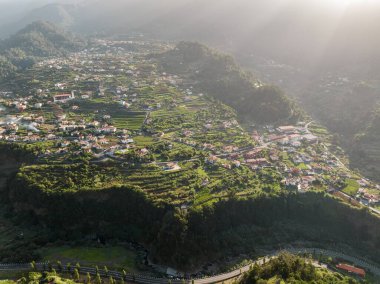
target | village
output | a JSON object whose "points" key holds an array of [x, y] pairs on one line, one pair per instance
{"points": [[111, 102]]}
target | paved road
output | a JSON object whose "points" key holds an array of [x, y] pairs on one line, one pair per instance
{"points": [[143, 279], [369, 207]]}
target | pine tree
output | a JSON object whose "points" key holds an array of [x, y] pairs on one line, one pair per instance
{"points": [[88, 278]]}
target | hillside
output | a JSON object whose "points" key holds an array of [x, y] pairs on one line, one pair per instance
{"points": [[35, 41], [350, 110], [219, 76], [140, 155], [366, 148]]}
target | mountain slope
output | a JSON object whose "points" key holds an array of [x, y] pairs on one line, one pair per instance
{"points": [[219, 76], [42, 39], [366, 149], [58, 14], [37, 40]]}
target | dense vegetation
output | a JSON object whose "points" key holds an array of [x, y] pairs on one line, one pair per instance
{"points": [[292, 269], [184, 238], [353, 115], [37, 40], [366, 148], [219, 76]]}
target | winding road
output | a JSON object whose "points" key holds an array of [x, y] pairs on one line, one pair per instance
{"points": [[144, 279]]}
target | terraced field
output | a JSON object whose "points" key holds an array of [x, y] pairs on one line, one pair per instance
{"points": [[177, 187], [128, 120]]}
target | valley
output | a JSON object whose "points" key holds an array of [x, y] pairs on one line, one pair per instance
{"points": [[150, 155]]}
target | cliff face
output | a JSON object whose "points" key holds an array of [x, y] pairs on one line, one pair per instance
{"points": [[9, 166]]}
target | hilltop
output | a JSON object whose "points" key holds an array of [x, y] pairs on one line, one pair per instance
{"points": [[35, 41]]}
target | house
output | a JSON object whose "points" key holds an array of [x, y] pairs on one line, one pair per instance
{"points": [[107, 130], [258, 162], [236, 163], [143, 152], [287, 129], [253, 154], [63, 98], [351, 269], [310, 138], [212, 159]]}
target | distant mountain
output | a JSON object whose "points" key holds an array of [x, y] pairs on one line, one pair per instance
{"points": [[15, 15], [219, 76], [42, 39], [54, 13], [37, 40], [314, 33]]}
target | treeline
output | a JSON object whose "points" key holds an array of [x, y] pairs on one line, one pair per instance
{"points": [[219, 76], [36, 41]]}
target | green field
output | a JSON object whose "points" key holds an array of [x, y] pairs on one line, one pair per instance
{"points": [[351, 187], [114, 257]]}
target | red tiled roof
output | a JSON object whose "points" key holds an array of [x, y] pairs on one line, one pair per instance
{"points": [[351, 269]]}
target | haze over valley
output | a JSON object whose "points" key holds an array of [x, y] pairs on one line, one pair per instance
{"points": [[189, 141]]}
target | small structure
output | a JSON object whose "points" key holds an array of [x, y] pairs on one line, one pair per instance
{"points": [[63, 98], [351, 269]]}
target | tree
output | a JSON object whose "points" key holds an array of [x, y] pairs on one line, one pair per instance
{"points": [[53, 271], [77, 265], [59, 266], [76, 275], [124, 274], [98, 279], [111, 281], [106, 270], [33, 265], [88, 278], [50, 266], [22, 280], [68, 267]]}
